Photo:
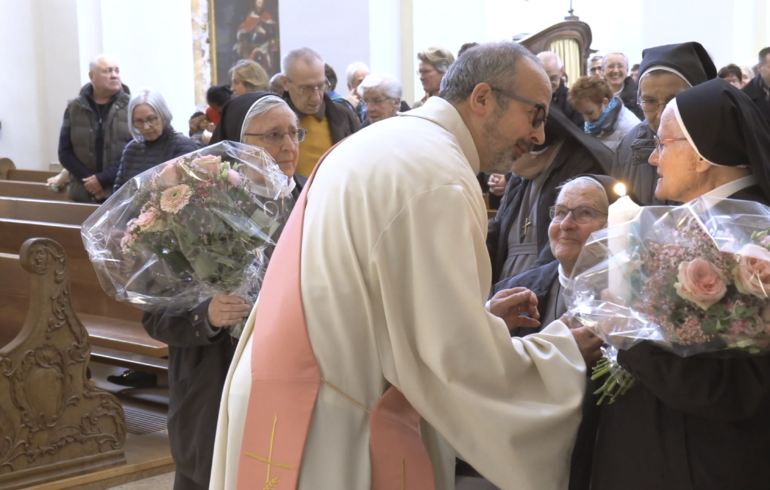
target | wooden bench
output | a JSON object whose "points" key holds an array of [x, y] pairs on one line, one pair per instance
{"points": [[115, 327], [24, 175], [30, 190], [6, 164], [55, 423], [67, 213]]}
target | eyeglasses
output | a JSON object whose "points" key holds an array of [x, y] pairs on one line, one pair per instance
{"points": [[581, 214], [426, 72], [615, 67], [651, 105], [305, 89], [375, 101], [540, 116], [661, 143], [275, 138], [150, 121], [595, 69]]}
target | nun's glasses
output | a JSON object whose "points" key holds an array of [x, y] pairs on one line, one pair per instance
{"points": [[661, 143]]}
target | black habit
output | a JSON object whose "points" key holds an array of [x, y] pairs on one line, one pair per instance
{"points": [[700, 422]]}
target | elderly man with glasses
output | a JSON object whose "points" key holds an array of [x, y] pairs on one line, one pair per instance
{"points": [[325, 121], [615, 68]]}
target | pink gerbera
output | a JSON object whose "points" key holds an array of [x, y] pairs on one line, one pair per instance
{"points": [[174, 199]]}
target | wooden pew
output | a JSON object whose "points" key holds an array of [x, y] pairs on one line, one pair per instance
{"points": [[6, 164], [30, 190], [115, 327], [25, 175], [66, 213], [55, 423]]}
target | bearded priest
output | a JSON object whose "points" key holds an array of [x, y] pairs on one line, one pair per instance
{"points": [[370, 360]]}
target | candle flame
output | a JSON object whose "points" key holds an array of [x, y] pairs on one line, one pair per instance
{"points": [[620, 189]]}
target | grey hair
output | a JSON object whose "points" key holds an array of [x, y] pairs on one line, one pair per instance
{"points": [[152, 98], [259, 108], [251, 74], [589, 181], [440, 58], [546, 55], [353, 68], [604, 60], [305, 54], [495, 63], [94, 63], [389, 85]]}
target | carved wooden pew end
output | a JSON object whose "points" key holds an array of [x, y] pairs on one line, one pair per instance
{"points": [[54, 422]]}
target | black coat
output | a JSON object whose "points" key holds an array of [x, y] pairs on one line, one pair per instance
{"points": [[573, 159], [630, 97], [139, 156], [342, 121], [754, 89], [540, 281], [560, 100], [199, 357], [694, 423], [631, 165]]}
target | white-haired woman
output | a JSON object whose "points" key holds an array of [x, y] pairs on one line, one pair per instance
{"points": [[381, 96], [155, 140], [200, 348], [434, 62]]}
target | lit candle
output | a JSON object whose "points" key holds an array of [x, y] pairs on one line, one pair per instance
{"points": [[620, 213]]}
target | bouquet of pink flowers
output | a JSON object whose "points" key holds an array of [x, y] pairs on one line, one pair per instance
{"points": [[693, 279], [183, 231]]}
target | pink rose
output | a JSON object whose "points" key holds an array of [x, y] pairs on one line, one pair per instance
{"points": [[233, 177], [147, 218], [208, 163], [699, 283], [169, 175], [127, 242], [752, 274]]}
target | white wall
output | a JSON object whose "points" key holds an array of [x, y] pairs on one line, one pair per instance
{"points": [[339, 32], [153, 49]]}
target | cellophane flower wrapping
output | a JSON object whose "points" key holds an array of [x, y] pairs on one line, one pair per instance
{"points": [[198, 225], [692, 279]]}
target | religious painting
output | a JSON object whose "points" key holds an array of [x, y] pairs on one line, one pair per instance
{"points": [[243, 29]]}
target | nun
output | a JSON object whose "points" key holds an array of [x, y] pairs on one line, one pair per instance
{"points": [[200, 347], [701, 422], [664, 72]]}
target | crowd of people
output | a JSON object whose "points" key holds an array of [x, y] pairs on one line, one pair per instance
{"points": [[391, 260]]}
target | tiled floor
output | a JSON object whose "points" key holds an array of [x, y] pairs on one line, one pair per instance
{"points": [[160, 482]]}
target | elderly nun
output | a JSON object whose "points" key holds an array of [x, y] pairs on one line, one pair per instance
{"points": [[699, 422]]}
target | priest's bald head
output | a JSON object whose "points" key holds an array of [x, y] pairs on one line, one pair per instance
{"points": [[502, 94]]}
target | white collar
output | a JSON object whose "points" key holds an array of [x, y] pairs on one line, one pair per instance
{"points": [[565, 281], [444, 114], [727, 190]]}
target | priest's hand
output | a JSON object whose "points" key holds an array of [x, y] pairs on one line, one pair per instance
{"points": [[227, 310], [511, 304], [589, 345]]}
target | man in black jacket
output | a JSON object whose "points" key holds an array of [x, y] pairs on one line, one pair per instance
{"points": [[758, 89], [554, 68], [325, 121]]}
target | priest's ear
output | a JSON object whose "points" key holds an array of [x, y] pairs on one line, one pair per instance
{"points": [[482, 101]]}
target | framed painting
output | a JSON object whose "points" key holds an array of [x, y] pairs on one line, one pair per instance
{"points": [[243, 29]]}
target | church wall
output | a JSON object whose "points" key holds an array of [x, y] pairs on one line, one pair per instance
{"points": [[152, 40], [338, 31]]}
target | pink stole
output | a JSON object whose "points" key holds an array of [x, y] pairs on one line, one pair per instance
{"points": [[285, 383]]}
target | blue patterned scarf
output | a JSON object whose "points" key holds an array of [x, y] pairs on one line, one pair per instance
{"points": [[594, 128]]}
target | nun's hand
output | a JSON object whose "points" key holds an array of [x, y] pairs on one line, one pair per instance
{"points": [[512, 304]]}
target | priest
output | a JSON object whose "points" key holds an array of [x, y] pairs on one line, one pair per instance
{"points": [[372, 317]]}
